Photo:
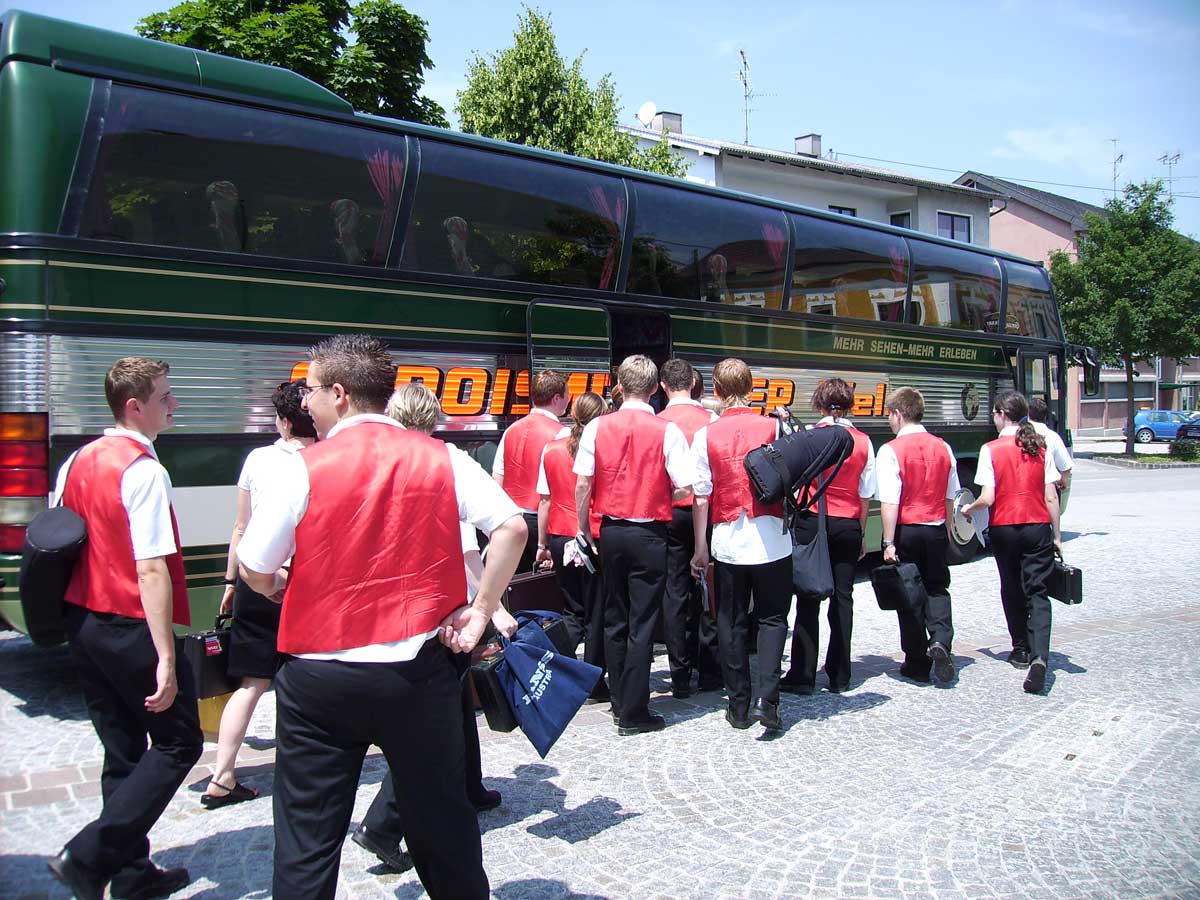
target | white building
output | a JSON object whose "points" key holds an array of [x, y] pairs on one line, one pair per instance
{"points": [[803, 177]]}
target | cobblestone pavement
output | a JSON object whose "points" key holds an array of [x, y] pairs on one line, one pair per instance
{"points": [[892, 790]]}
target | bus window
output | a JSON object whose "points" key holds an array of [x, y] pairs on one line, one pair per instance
{"points": [[696, 247], [1030, 309], [490, 215], [954, 288], [183, 172], [844, 270]]}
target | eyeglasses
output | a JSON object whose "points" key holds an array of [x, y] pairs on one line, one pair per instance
{"points": [[306, 389]]}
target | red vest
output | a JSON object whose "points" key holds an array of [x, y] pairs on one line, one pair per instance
{"points": [[523, 445], [842, 499], [631, 480], [924, 476], [689, 419], [738, 431], [378, 552], [1020, 484], [105, 576], [563, 519]]}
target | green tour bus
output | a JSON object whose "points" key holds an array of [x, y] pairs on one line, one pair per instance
{"points": [[222, 215]]}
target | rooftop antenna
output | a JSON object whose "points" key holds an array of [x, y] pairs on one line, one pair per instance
{"points": [[1118, 158], [1169, 162], [748, 94], [646, 113]]}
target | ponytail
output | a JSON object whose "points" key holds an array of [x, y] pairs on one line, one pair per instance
{"points": [[1014, 407], [1030, 442], [585, 408]]}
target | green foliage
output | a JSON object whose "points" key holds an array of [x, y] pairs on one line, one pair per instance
{"points": [[1134, 292], [381, 73], [1185, 450], [528, 94]]}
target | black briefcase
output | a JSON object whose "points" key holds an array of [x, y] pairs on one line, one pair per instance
{"points": [[1066, 583], [898, 586], [496, 711], [207, 652], [534, 590]]}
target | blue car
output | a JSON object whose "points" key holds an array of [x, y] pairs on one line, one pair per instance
{"points": [[1158, 424]]}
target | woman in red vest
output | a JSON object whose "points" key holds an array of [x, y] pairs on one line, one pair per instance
{"points": [[583, 611], [846, 526], [753, 551], [1017, 478]]}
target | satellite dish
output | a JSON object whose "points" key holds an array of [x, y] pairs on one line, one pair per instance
{"points": [[646, 113]]}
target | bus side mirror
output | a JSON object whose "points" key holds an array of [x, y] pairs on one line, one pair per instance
{"points": [[1091, 371]]}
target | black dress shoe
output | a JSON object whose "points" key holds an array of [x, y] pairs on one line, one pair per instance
{"points": [[681, 691], [152, 882], [838, 688], [768, 714], [387, 852], [797, 687], [943, 665], [1019, 659], [485, 800], [651, 723], [80, 880], [922, 677], [739, 722], [710, 684], [1035, 681], [600, 693]]}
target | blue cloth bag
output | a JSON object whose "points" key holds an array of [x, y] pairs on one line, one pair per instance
{"points": [[544, 688]]}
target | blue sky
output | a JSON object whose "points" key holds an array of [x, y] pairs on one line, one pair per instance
{"points": [[1015, 88]]}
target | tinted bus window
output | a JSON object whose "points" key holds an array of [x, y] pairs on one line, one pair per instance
{"points": [[954, 288], [182, 172], [706, 248], [1030, 308], [490, 215], [841, 270]]}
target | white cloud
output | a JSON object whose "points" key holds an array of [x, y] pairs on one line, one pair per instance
{"points": [[1067, 146]]}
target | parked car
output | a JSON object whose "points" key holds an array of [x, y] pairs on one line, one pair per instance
{"points": [[1189, 429], [1157, 425]]}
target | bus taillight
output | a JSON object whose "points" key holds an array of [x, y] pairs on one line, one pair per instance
{"points": [[24, 474]]}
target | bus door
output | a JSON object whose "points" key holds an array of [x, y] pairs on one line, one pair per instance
{"points": [[572, 337], [1039, 374], [645, 331]]}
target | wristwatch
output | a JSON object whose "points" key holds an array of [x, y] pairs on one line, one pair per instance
{"points": [[885, 544]]}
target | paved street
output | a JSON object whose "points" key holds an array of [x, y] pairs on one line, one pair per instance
{"points": [[892, 790]]}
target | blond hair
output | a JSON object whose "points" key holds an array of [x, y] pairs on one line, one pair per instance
{"points": [[638, 375], [415, 407], [732, 380]]}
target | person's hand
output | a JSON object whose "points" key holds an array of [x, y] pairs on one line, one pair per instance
{"points": [[1058, 546], [164, 696], [591, 543], [889, 555], [462, 629], [699, 563], [862, 551], [544, 559], [226, 601], [504, 622], [281, 580]]}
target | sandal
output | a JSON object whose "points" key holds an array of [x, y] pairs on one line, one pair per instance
{"points": [[239, 793]]}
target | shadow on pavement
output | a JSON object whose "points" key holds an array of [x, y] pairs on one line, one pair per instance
{"points": [[215, 848], [819, 707], [42, 679], [540, 889], [531, 792]]}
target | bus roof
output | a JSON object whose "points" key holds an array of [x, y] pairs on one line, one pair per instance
{"points": [[69, 45]]}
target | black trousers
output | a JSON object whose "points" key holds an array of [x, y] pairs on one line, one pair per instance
{"points": [[771, 586], [845, 540], [383, 816], [1025, 558], [925, 545], [583, 603], [690, 631], [328, 714], [633, 566], [116, 663], [529, 554]]}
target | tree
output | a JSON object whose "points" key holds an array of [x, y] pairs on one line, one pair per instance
{"points": [[381, 73], [1134, 293], [527, 94]]}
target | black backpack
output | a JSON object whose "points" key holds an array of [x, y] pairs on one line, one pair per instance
{"points": [[53, 542]]}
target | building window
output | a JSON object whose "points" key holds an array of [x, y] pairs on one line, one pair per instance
{"points": [[844, 210], [954, 227], [901, 219]]}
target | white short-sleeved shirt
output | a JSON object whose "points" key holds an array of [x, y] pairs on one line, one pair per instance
{"points": [[985, 474], [887, 472], [270, 537], [866, 481], [747, 540], [498, 462], [262, 466], [146, 494], [677, 456], [1056, 448]]}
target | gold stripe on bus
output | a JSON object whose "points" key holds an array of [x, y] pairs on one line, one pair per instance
{"points": [[285, 282], [842, 356], [198, 575], [4, 305], [271, 320], [570, 337], [22, 262], [189, 558]]}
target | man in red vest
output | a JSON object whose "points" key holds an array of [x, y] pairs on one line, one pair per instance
{"points": [[370, 517], [519, 454], [691, 633], [126, 590], [918, 478], [636, 464]]}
